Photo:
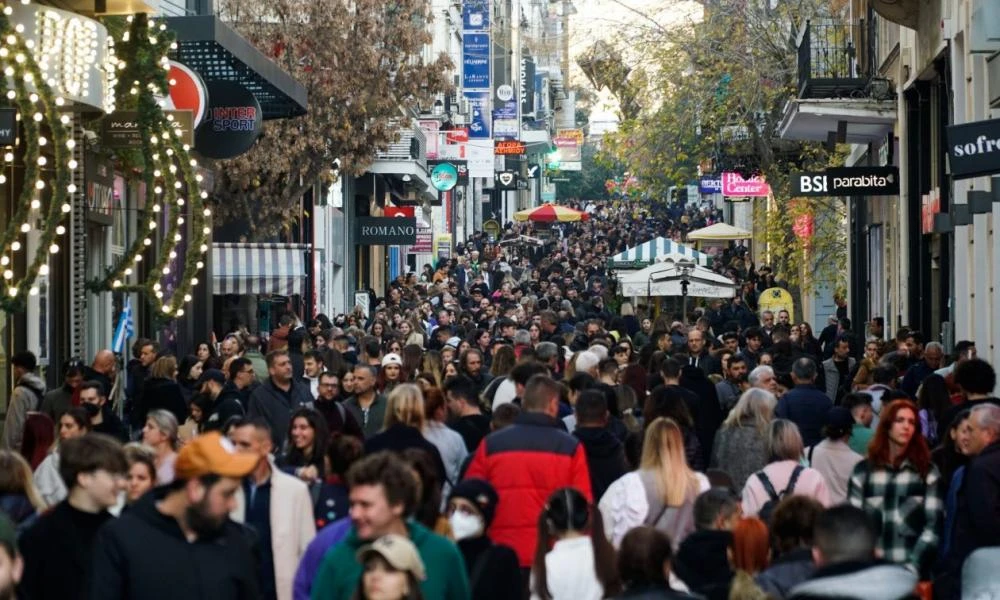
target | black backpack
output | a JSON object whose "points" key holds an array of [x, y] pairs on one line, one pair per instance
{"points": [[775, 497]]}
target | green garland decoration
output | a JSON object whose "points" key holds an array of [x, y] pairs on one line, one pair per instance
{"points": [[164, 161], [13, 294]]}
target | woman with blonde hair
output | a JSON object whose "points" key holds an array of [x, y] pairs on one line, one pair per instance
{"points": [[405, 420], [160, 434], [740, 446], [661, 493], [784, 475], [19, 499]]}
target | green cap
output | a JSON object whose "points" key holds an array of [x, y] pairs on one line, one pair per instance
{"points": [[8, 533]]}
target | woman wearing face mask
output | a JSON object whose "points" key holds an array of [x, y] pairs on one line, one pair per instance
{"points": [[493, 569]]}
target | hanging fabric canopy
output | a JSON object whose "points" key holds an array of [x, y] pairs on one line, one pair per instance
{"points": [[550, 213], [656, 249], [664, 279], [719, 231], [248, 268]]}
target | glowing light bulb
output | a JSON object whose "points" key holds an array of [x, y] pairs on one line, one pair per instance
{"points": [[43, 270], [60, 230], [39, 185], [33, 291], [54, 248], [8, 274], [66, 208], [127, 271], [147, 242], [15, 245], [116, 283]]}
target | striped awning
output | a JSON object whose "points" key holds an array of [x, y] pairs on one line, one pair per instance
{"points": [[278, 269], [646, 254]]}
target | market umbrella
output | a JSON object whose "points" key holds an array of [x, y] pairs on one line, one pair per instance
{"points": [[550, 213], [719, 231]]}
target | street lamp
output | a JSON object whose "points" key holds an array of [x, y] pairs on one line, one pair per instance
{"points": [[684, 269]]}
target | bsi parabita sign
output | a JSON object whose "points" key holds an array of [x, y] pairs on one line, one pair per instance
{"points": [[386, 231]]}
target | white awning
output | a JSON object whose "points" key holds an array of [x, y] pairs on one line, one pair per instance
{"points": [[245, 268], [664, 279], [649, 252]]}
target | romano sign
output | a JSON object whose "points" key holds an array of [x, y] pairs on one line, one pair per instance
{"points": [[386, 231], [847, 181], [974, 148]]}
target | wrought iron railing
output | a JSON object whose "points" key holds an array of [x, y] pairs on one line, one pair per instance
{"points": [[836, 59], [412, 144]]}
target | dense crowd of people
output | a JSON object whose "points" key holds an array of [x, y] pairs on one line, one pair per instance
{"points": [[503, 426]]}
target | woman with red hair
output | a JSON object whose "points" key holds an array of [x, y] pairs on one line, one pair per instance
{"points": [[749, 554], [899, 487]]}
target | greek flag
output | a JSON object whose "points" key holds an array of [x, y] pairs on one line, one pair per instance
{"points": [[125, 328]]}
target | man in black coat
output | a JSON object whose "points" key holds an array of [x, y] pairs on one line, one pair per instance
{"points": [[605, 452], [702, 561], [178, 540], [708, 416], [805, 405], [58, 548]]}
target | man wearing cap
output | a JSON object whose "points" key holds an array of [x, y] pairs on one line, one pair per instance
{"points": [[224, 394], [384, 493], [278, 397], [178, 541], [56, 402], [29, 389]]}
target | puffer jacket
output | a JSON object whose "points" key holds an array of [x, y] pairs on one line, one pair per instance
{"points": [[525, 463]]}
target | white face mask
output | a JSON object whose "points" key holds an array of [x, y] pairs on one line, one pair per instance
{"points": [[465, 526]]}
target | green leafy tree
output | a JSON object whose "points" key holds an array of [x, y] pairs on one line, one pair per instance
{"points": [[591, 182]]}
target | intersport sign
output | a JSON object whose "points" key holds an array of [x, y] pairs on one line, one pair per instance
{"points": [[847, 181], [974, 148]]}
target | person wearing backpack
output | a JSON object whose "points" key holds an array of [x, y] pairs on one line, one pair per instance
{"points": [[29, 389], [784, 475]]}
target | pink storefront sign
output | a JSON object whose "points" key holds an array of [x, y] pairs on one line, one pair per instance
{"points": [[734, 185]]}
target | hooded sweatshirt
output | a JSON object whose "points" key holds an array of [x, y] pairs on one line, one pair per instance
{"points": [[145, 555], [605, 457], [702, 563], [858, 581]]}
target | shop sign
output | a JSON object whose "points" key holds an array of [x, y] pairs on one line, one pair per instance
{"points": [[507, 180], [456, 136], [476, 61], [710, 184], [733, 184], [386, 231], [425, 241], [100, 190], [71, 50], [475, 15], [8, 126], [974, 148], [506, 128], [121, 128], [847, 181], [534, 171], [509, 148], [232, 122], [187, 92], [446, 174], [400, 211], [526, 87], [479, 104]]}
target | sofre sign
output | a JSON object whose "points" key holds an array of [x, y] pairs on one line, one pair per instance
{"points": [[386, 231], [974, 148], [509, 148], [847, 181]]}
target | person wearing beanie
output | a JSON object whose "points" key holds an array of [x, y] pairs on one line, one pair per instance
{"points": [[493, 569]]}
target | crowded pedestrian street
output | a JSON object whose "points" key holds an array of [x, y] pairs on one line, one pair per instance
{"points": [[499, 300]]}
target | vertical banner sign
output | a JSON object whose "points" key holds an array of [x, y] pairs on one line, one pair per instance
{"points": [[479, 103], [526, 87], [476, 61]]}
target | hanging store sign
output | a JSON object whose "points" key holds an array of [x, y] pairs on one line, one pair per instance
{"points": [[974, 148], [446, 174], [476, 15], [187, 92], [710, 184], [526, 87], [847, 181], [479, 105], [507, 180], [386, 231], [733, 184], [476, 61], [100, 189], [232, 123], [71, 51], [509, 148], [8, 126]]}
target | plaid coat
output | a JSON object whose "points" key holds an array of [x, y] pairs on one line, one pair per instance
{"points": [[907, 509]]}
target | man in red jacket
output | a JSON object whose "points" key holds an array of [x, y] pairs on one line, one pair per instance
{"points": [[525, 463]]}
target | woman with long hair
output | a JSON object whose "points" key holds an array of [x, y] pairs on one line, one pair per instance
{"points": [[866, 366], [391, 374], [784, 474], [668, 403], [448, 441], [19, 498], [573, 558], [661, 493], [405, 419], [430, 365], [72, 424], [740, 446], [750, 553], [934, 400], [644, 563], [160, 434], [411, 356], [305, 454], [39, 435], [898, 484]]}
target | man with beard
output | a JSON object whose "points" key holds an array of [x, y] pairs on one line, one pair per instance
{"points": [[178, 541], [11, 564], [732, 387]]}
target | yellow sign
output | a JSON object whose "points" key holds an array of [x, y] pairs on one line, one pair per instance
{"points": [[776, 299]]}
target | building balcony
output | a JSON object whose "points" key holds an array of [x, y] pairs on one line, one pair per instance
{"points": [[406, 157], [840, 98]]}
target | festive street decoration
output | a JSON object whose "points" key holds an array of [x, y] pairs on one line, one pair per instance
{"points": [[171, 183]]}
